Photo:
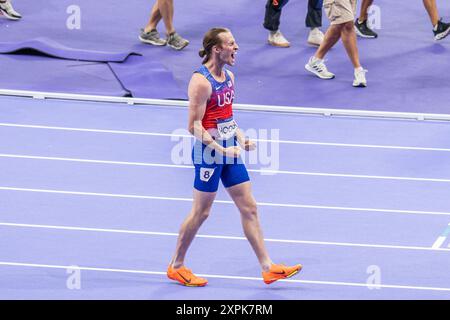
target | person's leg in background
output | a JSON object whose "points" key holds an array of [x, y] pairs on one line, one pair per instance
{"points": [[314, 22], [316, 63], [341, 27], [348, 37], [440, 29], [8, 11], [162, 9], [272, 23], [361, 27]]}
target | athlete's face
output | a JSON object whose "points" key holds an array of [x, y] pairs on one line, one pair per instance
{"points": [[228, 48]]}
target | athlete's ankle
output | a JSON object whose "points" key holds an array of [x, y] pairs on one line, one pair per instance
{"points": [[177, 265], [265, 266]]}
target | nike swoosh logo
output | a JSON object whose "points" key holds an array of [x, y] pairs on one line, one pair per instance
{"points": [[187, 280], [279, 272]]}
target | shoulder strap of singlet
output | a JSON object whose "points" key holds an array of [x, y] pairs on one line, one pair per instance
{"points": [[205, 72]]}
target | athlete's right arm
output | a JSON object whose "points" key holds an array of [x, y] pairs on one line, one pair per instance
{"points": [[199, 92]]}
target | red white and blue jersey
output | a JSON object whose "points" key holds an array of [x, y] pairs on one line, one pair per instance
{"points": [[212, 167], [220, 104]]}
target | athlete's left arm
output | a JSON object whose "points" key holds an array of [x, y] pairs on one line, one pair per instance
{"points": [[246, 143]]}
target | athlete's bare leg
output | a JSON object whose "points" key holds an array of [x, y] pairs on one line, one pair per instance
{"points": [[201, 208], [244, 200]]}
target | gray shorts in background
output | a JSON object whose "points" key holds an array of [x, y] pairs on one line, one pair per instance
{"points": [[340, 11]]}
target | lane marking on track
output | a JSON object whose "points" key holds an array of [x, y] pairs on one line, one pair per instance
{"points": [[171, 234], [160, 273], [441, 239], [156, 134], [261, 171], [267, 204]]}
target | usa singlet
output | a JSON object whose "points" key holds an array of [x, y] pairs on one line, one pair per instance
{"points": [[209, 166]]}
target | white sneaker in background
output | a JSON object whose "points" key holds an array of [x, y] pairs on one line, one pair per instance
{"points": [[8, 11], [315, 37], [318, 67], [277, 39], [360, 78]]}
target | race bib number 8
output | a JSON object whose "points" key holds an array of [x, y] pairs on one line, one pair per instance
{"points": [[206, 174], [227, 128]]}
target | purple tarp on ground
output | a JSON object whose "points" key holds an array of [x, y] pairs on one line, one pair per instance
{"points": [[37, 73], [145, 78], [407, 68], [54, 49]]}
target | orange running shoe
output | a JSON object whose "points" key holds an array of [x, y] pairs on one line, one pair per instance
{"points": [[280, 271], [185, 276]]}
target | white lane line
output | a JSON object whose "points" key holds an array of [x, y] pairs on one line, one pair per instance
{"points": [[438, 243], [159, 273], [441, 239], [262, 171], [139, 133], [143, 164], [171, 234], [267, 204], [331, 144]]}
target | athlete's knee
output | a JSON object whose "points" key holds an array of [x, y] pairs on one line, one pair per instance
{"points": [[202, 213], [250, 210]]}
